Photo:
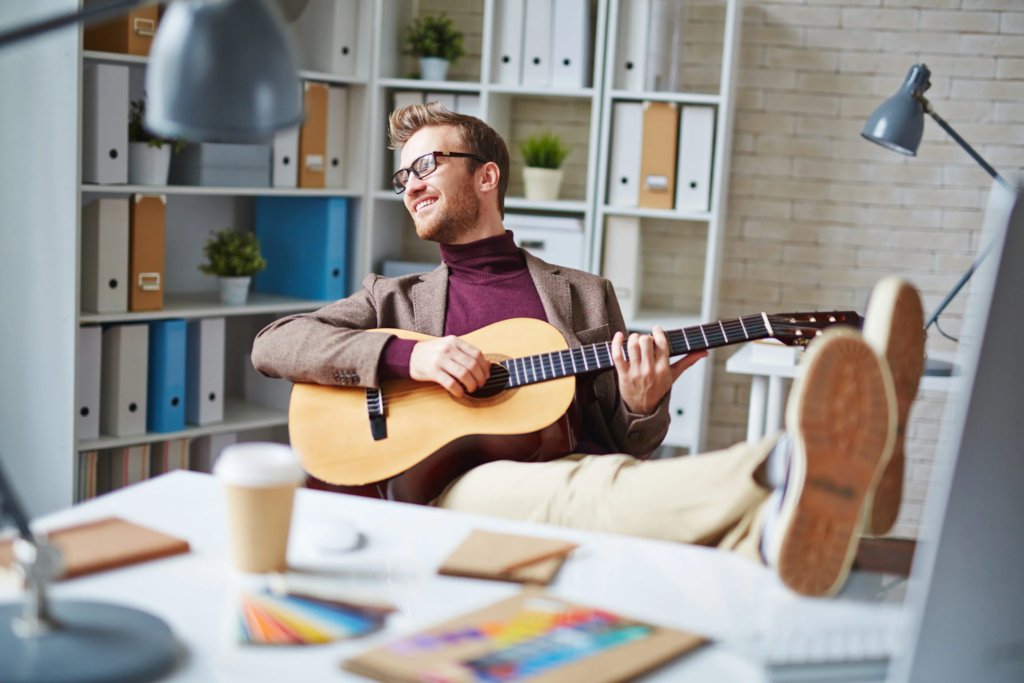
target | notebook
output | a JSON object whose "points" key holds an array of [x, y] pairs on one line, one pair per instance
{"points": [[529, 637], [506, 557], [104, 544]]}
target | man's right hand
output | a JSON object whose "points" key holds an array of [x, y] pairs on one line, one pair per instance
{"points": [[457, 366]]}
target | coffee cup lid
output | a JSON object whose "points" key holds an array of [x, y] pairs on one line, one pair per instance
{"points": [[259, 465]]}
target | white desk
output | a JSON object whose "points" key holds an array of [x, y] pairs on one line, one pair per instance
{"points": [[702, 590]]}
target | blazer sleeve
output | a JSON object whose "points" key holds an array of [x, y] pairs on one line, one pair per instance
{"points": [[328, 346], [634, 434]]}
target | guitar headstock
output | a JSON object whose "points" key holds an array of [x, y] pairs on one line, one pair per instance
{"points": [[798, 329]]}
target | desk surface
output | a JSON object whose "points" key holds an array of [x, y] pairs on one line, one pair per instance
{"points": [[706, 591]]}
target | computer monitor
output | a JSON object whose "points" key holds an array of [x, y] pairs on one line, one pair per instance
{"points": [[966, 594]]}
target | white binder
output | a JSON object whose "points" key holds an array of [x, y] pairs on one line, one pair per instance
{"points": [[123, 388], [204, 451], [326, 35], [537, 44], [204, 381], [624, 170], [696, 144], [337, 126], [105, 124], [468, 105], [622, 261], [508, 58], [404, 98], [570, 57], [631, 50], [271, 392], [105, 256], [447, 99], [90, 357], [664, 40], [286, 154]]}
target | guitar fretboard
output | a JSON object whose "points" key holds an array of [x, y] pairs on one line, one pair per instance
{"points": [[556, 364]]}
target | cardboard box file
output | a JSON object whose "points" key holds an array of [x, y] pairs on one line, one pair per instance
{"points": [[130, 34], [147, 226], [313, 136], [658, 155]]}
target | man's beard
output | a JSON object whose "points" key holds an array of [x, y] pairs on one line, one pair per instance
{"points": [[460, 215]]}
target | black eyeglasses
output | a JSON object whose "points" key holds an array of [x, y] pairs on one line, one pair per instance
{"points": [[424, 166]]}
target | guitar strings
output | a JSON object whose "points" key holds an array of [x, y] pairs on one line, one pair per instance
{"points": [[601, 353]]}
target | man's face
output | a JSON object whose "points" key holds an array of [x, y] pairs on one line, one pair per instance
{"points": [[444, 205]]}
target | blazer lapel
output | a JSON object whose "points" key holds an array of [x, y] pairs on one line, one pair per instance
{"points": [[430, 302], [555, 295]]}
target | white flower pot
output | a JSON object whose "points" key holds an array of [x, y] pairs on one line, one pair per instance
{"points": [[433, 69], [542, 184], [234, 291], [148, 165]]}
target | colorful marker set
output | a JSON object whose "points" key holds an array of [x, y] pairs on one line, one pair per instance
{"points": [[267, 619]]}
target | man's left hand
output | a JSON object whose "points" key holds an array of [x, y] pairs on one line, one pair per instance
{"points": [[647, 376]]}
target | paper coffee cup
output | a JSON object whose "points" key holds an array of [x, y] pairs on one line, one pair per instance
{"points": [[260, 480]]}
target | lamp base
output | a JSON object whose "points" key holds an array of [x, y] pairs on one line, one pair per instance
{"points": [[94, 642]]}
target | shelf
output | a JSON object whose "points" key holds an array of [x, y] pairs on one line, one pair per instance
{"points": [[220, 191], [142, 60], [560, 205], [239, 416], [683, 97], [208, 305], [646, 319], [583, 93], [432, 86], [671, 214]]}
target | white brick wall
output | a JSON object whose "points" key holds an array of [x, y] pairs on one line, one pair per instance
{"points": [[817, 214]]}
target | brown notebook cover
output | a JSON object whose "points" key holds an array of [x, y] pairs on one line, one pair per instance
{"points": [[147, 226], [131, 34], [658, 155], [313, 137], [505, 557], [530, 637], [104, 544]]}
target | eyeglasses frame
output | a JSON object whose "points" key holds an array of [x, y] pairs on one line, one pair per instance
{"points": [[414, 172]]}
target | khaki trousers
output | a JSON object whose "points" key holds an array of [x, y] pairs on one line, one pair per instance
{"points": [[710, 499]]}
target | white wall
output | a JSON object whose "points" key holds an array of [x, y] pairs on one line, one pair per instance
{"points": [[38, 255]]}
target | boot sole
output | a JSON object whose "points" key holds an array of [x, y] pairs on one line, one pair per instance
{"points": [[841, 419], [894, 328]]}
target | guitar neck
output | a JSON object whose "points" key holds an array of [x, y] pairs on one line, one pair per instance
{"points": [[557, 364]]}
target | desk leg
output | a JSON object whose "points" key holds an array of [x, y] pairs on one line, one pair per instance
{"points": [[758, 403], [776, 404]]}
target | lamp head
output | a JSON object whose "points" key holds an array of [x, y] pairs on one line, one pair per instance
{"points": [[221, 71], [898, 123]]}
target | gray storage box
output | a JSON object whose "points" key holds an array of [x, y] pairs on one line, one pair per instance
{"points": [[222, 165]]}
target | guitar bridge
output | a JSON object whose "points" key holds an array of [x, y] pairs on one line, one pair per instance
{"points": [[375, 410]]}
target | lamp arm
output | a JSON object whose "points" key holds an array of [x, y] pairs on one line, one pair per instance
{"points": [[963, 143], [959, 285], [87, 14]]}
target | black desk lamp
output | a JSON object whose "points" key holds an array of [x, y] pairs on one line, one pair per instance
{"points": [[898, 124], [218, 70], [71, 640]]}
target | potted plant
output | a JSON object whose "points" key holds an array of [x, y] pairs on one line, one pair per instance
{"points": [[234, 257], [544, 155], [437, 44], [149, 156]]}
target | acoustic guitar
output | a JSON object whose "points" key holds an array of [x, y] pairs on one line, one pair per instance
{"points": [[351, 437]]}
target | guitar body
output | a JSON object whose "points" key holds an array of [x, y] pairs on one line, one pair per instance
{"points": [[433, 437]]}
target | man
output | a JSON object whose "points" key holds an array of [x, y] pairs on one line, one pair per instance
{"points": [[798, 501]]}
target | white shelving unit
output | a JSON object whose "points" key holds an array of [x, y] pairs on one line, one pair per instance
{"points": [[689, 433], [390, 225]]}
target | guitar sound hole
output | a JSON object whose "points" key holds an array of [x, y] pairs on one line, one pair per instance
{"points": [[495, 383]]}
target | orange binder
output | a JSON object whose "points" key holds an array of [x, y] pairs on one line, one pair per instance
{"points": [[313, 137], [131, 34], [147, 225], [658, 155]]}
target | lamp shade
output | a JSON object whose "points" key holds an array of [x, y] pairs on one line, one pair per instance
{"points": [[898, 123], [221, 71]]}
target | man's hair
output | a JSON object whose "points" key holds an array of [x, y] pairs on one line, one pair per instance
{"points": [[473, 135]]}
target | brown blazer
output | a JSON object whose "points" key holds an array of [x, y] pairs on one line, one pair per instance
{"points": [[328, 346]]}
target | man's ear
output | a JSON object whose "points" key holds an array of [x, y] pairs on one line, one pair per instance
{"points": [[489, 177]]}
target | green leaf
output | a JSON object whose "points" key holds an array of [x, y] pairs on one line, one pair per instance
{"points": [[232, 253], [544, 151], [435, 37]]}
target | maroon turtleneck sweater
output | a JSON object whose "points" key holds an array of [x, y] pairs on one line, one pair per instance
{"points": [[487, 282]]}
